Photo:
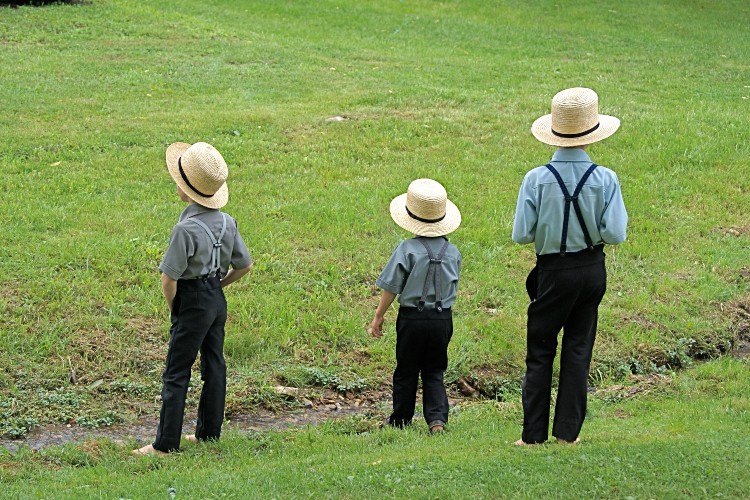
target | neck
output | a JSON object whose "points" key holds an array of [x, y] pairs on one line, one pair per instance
{"points": [[577, 147]]}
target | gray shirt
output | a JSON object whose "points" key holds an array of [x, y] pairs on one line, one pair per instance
{"points": [[407, 268], [189, 252], [541, 204]]}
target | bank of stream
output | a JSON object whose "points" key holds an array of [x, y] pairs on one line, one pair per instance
{"points": [[327, 408]]}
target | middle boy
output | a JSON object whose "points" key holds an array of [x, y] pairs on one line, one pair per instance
{"points": [[423, 271]]}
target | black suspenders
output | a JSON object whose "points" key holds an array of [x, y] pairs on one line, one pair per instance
{"points": [[433, 269], [577, 208]]}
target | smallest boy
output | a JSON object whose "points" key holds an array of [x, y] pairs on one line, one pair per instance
{"points": [[203, 245], [423, 271]]}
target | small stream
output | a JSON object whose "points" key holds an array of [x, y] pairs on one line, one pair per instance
{"points": [[143, 430]]}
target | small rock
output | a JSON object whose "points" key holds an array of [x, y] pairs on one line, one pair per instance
{"points": [[291, 392], [307, 403], [336, 119], [338, 406], [331, 407]]}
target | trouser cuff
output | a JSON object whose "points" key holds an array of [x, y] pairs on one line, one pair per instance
{"points": [[567, 431], [534, 436]]}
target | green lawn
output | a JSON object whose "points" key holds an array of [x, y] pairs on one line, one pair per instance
{"points": [[92, 94], [687, 438]]}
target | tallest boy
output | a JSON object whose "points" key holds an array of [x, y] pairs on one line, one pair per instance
{"points": [[569, 209]]}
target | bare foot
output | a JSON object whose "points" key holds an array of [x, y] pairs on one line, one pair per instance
{"points": [[191, 438], [149, 450], [562, 441], [521, 443]]}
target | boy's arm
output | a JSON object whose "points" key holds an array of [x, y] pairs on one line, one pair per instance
{"points": [[524, 223], [377, 323], [234, 274], [169, 289]]}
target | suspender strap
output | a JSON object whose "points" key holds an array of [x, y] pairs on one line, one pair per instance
{"points": [[576, 206], [215, 268], [433, 269]]}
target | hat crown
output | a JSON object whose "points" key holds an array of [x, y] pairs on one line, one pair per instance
{"points": [[426, 199], [204, 168], [575, 111]]}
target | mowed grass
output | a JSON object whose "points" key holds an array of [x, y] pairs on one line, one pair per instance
{"points": [[92, 95], [686, 439]]}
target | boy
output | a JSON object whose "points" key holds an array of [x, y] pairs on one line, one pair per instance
{"points": [[570, 278], [195, 268], [423, 272]]}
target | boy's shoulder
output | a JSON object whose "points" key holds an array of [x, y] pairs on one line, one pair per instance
{"points": [[187, 220], [415, 246], [542, 174]]}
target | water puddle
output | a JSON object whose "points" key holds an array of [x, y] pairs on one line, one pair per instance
{"points": [[143, 430], [742, 350]]}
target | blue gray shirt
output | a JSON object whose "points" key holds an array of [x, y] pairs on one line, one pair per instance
{"points": [[541, 203], [407, 268], [189, 252]]}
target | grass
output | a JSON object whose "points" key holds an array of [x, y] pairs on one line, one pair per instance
{"points": [[676, 438], [93, 94]]}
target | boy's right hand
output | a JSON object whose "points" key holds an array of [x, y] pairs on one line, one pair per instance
{"points": [[376, 327]]}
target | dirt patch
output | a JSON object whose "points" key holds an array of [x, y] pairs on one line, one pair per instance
{"points": [[492, 383], [742, 350], [96, 354], [645, 323], [734, 230], [640, 386], [739, 314], [620, 413]]}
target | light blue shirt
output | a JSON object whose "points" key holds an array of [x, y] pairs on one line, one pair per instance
{"points": [[541, 204]]}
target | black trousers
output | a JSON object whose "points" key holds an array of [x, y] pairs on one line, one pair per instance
{"points": [[568, 292], [421, 347], [199, 313]]}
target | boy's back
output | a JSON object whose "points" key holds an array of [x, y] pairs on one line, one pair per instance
{"points": [[189, 252], [406, 272], [540, 210]]}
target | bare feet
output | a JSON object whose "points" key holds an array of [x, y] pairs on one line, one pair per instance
{"points": [[562, 441], [191, 438], [521, 443], [149, 450]]}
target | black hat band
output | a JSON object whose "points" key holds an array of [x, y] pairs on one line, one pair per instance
{"points": [[420, 219], [573, 136], [184, 178]]}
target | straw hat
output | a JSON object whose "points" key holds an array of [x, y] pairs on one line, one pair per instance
{"points": [[425, 209], [200, 171], [575, 120]]}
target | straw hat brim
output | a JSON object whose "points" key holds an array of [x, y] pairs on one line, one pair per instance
{"points": [[449, 224], [542, 130], [174, 152]]}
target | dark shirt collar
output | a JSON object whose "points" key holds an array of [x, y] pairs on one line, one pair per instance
{"points": [[195, 209], [570, 154]]}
